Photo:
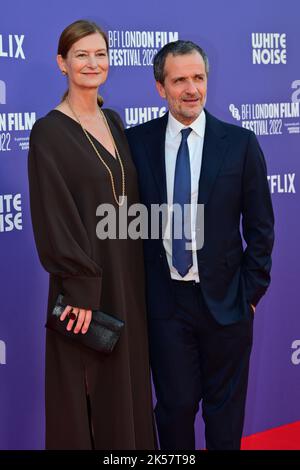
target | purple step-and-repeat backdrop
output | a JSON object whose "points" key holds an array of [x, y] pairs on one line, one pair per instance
{"points": [[254, 82]]}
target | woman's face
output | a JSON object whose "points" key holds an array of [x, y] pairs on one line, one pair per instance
{"points": [[86, 63]]}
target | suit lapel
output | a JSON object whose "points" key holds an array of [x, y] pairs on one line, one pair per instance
{"points": [[155, 147], [214, 150]]}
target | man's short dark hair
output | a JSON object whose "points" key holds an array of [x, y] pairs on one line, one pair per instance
{"points": [[179, 47]]}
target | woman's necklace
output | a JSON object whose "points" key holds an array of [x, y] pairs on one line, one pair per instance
{"points": [[119, 203]]}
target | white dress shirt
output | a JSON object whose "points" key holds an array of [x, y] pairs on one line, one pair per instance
{"points": [[195, 144]]}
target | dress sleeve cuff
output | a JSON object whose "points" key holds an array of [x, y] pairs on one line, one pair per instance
{"points": [[82, 292]]}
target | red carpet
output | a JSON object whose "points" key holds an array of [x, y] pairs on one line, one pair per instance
{"points": [[285, 437]]}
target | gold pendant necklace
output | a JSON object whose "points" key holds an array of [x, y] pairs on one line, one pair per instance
{"points": [[119, 203]]}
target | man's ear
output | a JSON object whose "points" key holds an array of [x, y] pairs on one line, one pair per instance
{"points": [[161, 89]]}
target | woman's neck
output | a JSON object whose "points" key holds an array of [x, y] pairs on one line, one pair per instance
{"points": [[85, 104]]}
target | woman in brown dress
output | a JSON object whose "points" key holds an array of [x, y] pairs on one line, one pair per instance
{"points": [[79, 159]]}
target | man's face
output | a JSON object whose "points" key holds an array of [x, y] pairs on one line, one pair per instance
{"points": [[185, 86]]}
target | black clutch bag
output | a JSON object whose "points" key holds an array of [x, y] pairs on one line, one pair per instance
{"points": [[102, 335]]}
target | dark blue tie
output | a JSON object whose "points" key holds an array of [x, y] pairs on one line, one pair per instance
{"points": [[182, 258]]}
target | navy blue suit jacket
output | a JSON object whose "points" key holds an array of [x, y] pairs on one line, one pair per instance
{"points": [[233, 187]]}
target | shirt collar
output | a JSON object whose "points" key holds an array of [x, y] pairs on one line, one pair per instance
{"points": [[174, 127]]}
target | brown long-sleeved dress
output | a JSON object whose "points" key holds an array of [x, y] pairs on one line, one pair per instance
{"points": [[92, 400]]}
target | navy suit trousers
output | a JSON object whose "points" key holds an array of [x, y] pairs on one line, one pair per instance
{"points": [[195, 359]]}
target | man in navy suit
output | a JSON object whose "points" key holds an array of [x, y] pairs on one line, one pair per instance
{"points": [[201, 302]]}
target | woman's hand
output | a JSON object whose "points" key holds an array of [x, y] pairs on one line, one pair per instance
{"points": [[81, 317]]}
